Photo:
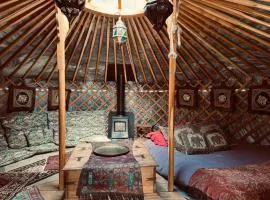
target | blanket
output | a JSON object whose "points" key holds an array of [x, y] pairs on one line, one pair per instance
{"points": [[249, 182], [111, 178]]}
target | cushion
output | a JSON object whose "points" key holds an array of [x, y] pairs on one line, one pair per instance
{"points": [[164, 130], [52, 119], [25, 120], [16, 138], [14, 155], [37, 119], [216, 141], [157, 138], [178, 141], [71, 140], [82, 123], [44, 148], [194, 142], [215, 137], [39, 135], [15, 120], [3, 142], [95, 138], [71, 143]]}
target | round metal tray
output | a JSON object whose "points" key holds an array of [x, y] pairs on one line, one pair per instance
{"points": [[111, 150]]}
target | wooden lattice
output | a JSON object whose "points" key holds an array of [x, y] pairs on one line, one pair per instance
{"points": [[150, 104]]}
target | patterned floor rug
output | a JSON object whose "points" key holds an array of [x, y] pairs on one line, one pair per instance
{"points": [[53, 162], [12, 183], [16, 180], [29, 193], [37, 166]]}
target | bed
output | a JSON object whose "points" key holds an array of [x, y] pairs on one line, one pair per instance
{"points": [[196, 173]]}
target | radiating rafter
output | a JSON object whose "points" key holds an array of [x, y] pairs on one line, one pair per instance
{"points": [[99, 48], [91, 51], [37, 29], [144, 51], [87, 40]]}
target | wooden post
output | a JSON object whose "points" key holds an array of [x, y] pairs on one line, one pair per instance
{"points": [[172, 68], [119, 4], [62, 26]]}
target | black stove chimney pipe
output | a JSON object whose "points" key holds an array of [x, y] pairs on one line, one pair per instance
{"points": [[121, 95]]}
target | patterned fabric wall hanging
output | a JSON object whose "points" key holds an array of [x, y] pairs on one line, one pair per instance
{"points": [[21, 98], [259, 98], [53, 98], [187, 97], [71, 8], [157, 12], [222, 98]]}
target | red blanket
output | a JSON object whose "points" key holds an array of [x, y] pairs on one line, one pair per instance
{"points": [[250, 182]]}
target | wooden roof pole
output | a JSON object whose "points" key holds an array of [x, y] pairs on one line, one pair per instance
{"points": [[63, 26], [172, 68]]}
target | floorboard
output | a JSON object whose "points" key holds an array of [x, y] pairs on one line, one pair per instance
{"points": [[49, 191]]}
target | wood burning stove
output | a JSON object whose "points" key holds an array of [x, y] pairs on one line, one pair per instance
{"points": [[121, 123]]}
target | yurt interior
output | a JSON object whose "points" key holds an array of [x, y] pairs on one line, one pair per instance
{"points": [[135, 100]]}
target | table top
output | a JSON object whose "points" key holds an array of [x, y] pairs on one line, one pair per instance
{"points": [[82, 152]]}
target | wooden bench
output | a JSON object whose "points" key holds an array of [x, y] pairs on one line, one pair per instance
{"points": [[81, 154]]}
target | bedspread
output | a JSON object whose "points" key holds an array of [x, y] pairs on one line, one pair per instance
{"points": [[249, 182]]}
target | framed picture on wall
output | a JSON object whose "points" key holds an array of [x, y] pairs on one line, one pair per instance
{"points": [[222, 98], [21, 98], [53, 98], [187, 97], [259, 99]]}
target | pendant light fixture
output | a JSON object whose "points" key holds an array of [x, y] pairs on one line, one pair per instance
{"points": [[120, 29]]}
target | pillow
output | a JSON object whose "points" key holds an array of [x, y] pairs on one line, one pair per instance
{"points": [[215, 137], [25, 120], [82, 123], [3, 142], [71, 139], [16, 121], [14, 155], [157, 138], [16, 138], [95, 138], [178, 141], [39, 135], [216, 141], [43, 148], [164, 130], [194, 142]]}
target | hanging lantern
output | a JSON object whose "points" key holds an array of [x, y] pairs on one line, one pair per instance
{"points": [[120, 32]]}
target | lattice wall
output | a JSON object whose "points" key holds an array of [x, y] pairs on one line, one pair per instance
{"points": [[149, 104]]}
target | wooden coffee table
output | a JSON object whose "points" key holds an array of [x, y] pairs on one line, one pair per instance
{"points": [[81, 154]]}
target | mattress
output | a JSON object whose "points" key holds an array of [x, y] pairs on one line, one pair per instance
{"points": [[186, 165]]}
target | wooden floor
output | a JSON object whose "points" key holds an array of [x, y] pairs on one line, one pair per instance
{"points": [[49, 191]]}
